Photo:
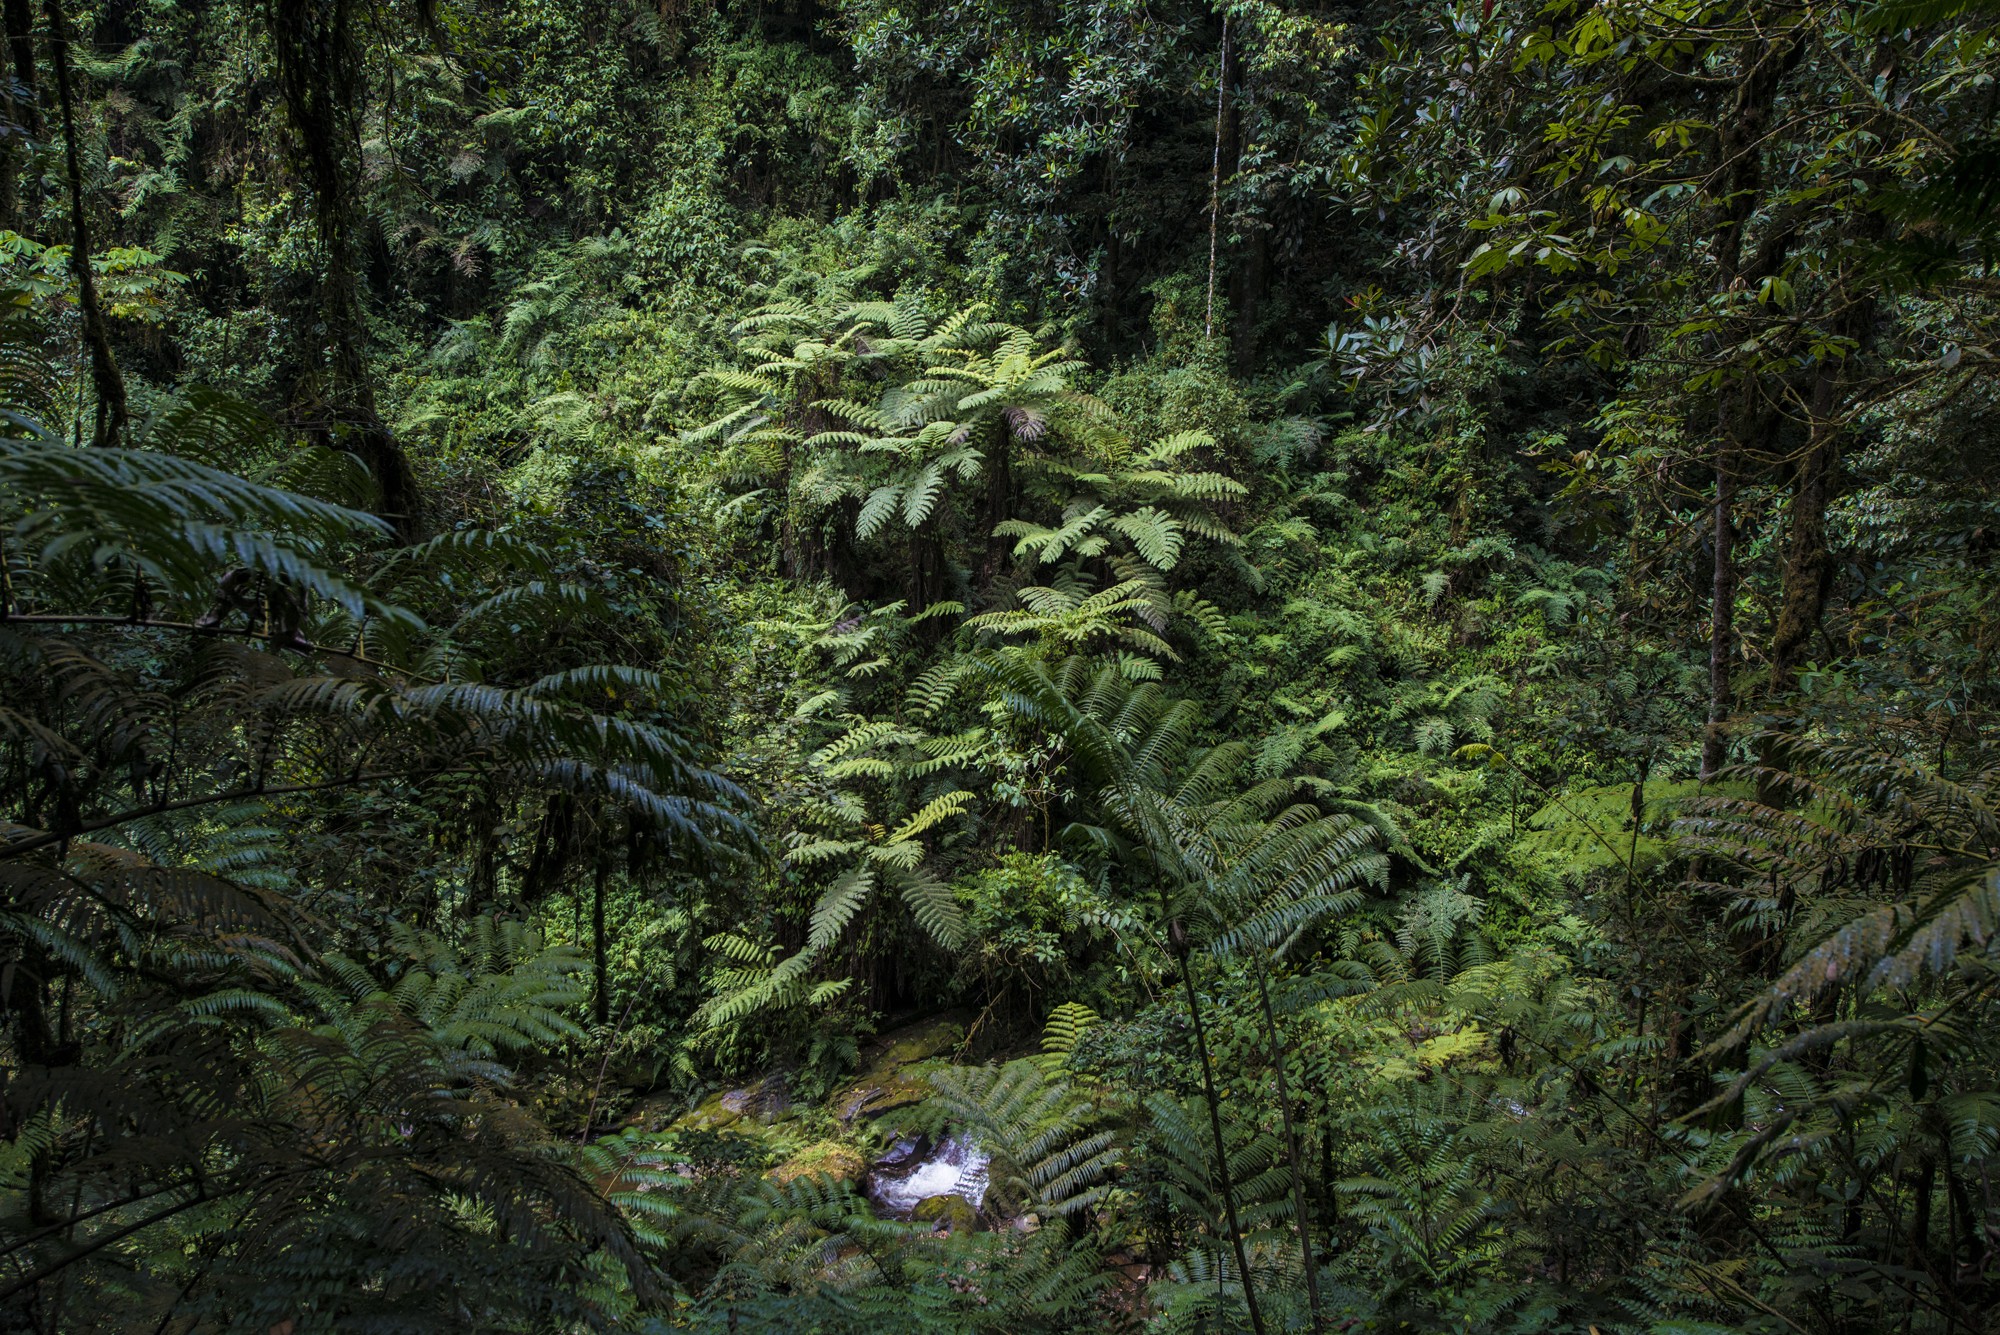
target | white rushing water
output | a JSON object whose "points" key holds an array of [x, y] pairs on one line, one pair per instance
{"points": [[910, 1174]]}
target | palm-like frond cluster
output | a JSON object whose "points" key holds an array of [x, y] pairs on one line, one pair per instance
{"points": [[1169, 668], [1873, 882], [865, 412], [292, 1106]]}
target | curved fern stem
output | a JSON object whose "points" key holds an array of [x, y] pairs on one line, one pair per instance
{"points": [[1291, 1152], [234, 632], [46, 839], [119, 1234], [600, 992], [1177, 938]]}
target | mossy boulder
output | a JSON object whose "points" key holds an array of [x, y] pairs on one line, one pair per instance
{"points": [[891, 1077], [711, 1114], [917, 1042], [655, 1112], [768, 1101], [828, 1159], [955, 1213], [875, 1097], [763, 1104]]}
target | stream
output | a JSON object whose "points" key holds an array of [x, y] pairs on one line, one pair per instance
{"points": [[916, 1169]]}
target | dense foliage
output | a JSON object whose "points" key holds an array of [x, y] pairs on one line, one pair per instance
{"points": [[1358, 639]]}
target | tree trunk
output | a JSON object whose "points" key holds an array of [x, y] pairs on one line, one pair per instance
{"points": [[319, 72], [18, 105], [1740, 168], [1215, 176], [1809, 564], [1808, 573], [20, 19], [1722, 617], [104, 374]]}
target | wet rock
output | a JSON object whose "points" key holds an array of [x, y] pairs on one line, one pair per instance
{"points": [[917, 1042], [954, 1214]]}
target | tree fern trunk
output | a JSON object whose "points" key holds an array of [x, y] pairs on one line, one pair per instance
{"points": [[999, 505], [1920, 1215], [1968, 1237]]}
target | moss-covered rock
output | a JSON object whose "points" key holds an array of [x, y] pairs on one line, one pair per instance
{"points": [[655, 1112], [768, 1101], [874, 1097], [711, 1114], [918, 1042], [954, 1213], [889, 1079], [827, 1158], [763, 1104]]}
